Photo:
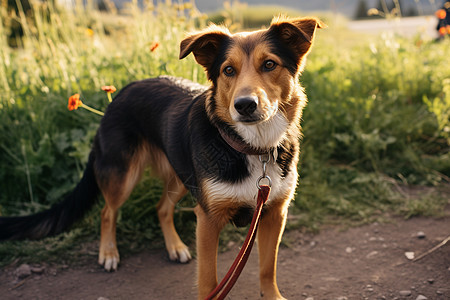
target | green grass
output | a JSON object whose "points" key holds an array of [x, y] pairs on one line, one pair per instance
{"points": [[375, 127]]}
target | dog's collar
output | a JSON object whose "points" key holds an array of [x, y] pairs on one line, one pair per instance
{"points": [[240, 145]]}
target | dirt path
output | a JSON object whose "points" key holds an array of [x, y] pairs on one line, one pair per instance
{"points": [[366, 262]]}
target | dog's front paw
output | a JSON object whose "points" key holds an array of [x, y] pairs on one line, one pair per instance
{"points": [[179, 252], [109, 259]]}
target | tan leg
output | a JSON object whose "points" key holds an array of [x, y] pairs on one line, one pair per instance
{"points": [[208, 231], [116, 191], [108, 253], [270, 230], [174, 190]]}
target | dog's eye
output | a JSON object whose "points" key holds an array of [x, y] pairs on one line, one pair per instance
{"points": [[269, 65], [229, 71]]}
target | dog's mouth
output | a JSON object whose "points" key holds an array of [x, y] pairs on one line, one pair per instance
{"points": [[251, 120]]}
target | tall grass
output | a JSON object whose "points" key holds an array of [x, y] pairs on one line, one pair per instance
{"points": [[75, 51], [377, 118], [368, 131]]}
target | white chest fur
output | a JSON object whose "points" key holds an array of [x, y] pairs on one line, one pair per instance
{"points": [[246, 191]]}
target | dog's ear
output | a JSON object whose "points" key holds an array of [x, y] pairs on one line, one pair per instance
{"points": [[297, 34], [204, 45]]}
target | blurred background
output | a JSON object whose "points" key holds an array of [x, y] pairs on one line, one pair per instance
{"points": [[376, 131]]}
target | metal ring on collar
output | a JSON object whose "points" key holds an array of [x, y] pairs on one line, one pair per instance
{"points": [[258, 182]]}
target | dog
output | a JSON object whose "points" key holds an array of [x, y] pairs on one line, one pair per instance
{"points": [[205, 140]]}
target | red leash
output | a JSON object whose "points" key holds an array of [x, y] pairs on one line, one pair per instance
{"points": [[236, 268]]}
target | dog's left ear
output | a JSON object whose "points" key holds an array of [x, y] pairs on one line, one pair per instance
{"points": [[297, 34], [204, 45]]}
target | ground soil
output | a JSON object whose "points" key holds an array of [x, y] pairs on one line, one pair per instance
{"points": [[366, 262]]}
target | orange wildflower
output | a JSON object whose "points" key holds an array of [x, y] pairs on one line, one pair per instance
{"points": [[440, 14], [442, 31], [109, 88], [74, 102], [153, 46], [89, 32]]}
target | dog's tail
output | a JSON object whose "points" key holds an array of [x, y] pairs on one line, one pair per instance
{"points": [[60, 216]]}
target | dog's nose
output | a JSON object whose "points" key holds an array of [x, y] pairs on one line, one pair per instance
{"points": [[246, 105]]}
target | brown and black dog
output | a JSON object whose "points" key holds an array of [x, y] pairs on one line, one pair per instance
{"points": [[206, 140]]}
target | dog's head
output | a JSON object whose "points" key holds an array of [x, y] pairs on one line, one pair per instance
{"points": [[255, 75]]}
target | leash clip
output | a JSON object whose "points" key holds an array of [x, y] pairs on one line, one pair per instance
{"points": [[264, 159]]}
